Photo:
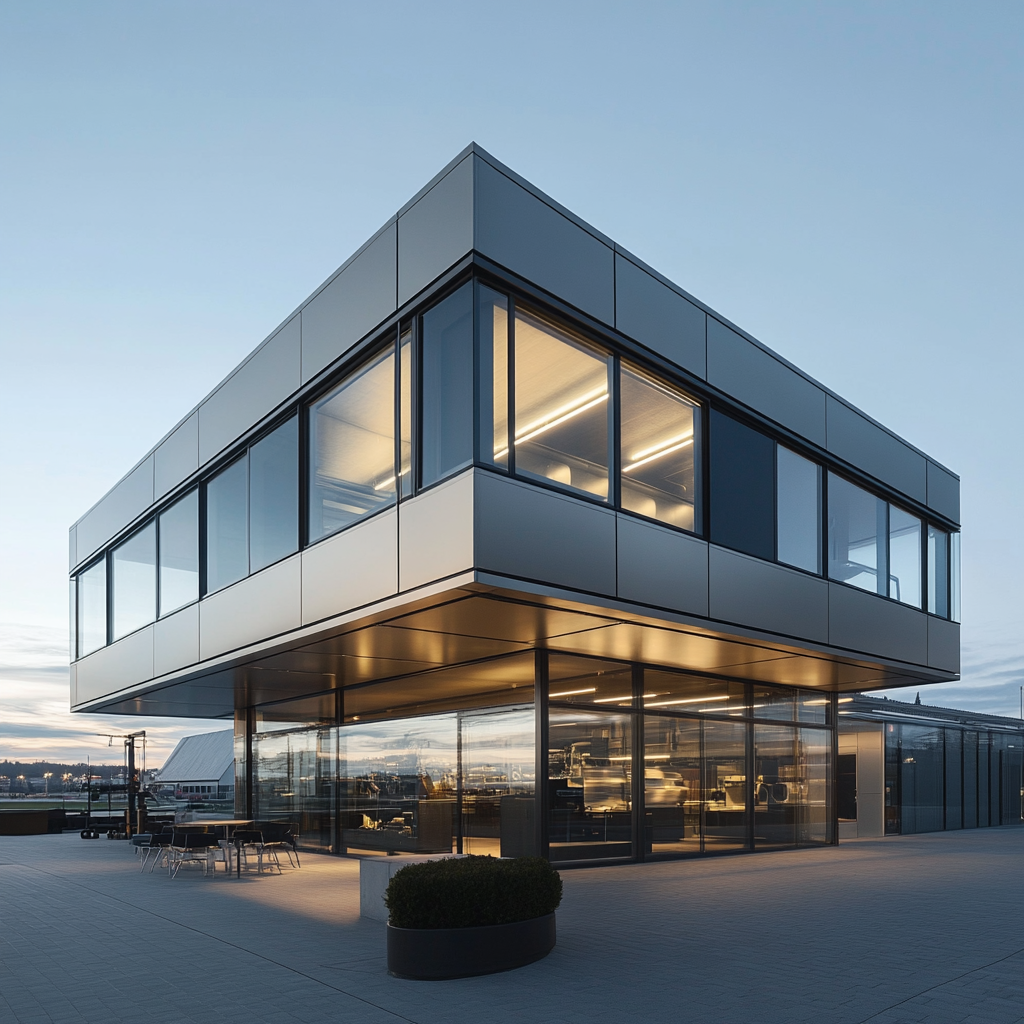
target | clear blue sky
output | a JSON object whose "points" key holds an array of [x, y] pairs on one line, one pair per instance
{"points": [[841, 179]]}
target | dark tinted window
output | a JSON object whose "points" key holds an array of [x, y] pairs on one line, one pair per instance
{"points": [[227, 549], [274, 496], [447, 409], [742, 487]]}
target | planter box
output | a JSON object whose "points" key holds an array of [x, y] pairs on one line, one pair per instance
{"points": [[431, 954]]}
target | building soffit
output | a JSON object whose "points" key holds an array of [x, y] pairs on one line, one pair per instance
{"points": [[478, 617]]}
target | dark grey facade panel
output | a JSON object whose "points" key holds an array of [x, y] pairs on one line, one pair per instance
{"points": [[351, 304], [262, 382], [177, 456], [527, 531], [656, 316], [943, 492], [744, 371], [943, 644], [763, 595], [118, 507], [436, 232], [524, 234], [871, 625], [860, 442], [661, 567]]}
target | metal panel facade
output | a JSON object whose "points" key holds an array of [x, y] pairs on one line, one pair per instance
{"points": [[525, 531], [176, 641], [863, 622], [656, 316], [113, 668], [176, 457], [358, 297], [758, 379], [943, 644], [521, 232], [860, 442], [943, 492], [261, 383], [351, 569], [436, 231], [662, 568], [435, 532], [766, 596], [116, 509]]}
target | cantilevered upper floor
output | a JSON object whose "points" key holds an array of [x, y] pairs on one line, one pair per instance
{"points": [[493, 428]]}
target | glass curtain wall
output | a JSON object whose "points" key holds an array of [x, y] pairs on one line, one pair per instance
{"points": [[179, 554], [92, 608], [797, 510], [274, 496], [856, 536], [133, 582]]}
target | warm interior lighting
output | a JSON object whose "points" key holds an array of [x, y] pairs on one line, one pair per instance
{"points": [[558, 416], [385, 484], [845, 700], [612, 700], [688, 700], [646, 455], [572, 693]]}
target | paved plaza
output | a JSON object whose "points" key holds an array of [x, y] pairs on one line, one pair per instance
{"points": [[918, 928]]}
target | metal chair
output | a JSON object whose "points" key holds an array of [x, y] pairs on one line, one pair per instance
{"points": [[189, 847], [282, 835], [252, 839]]}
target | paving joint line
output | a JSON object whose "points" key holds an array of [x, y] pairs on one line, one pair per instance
{"points": [[940, 984], [225, 942]]}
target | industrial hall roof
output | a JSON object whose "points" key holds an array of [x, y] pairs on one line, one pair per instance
{"points": [[201, 758]]}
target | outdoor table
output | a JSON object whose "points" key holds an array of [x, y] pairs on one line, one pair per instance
{"points": [[235, 823]]}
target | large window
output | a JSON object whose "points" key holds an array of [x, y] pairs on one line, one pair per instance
{"points": [[562, 408], [954, 576], [179, 554], [92, 608], [798, 510], [446, 415], [274, 496], [904, 557], [133, 582], [660, 438], [227, 534], [742, 487], [352, 448], [492, 321], [856, 536], [938, 571]]}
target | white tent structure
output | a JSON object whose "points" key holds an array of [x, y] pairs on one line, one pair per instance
{"points": [[200, 768]]}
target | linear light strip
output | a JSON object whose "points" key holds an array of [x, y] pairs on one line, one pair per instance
{"points": [[658, 455]]}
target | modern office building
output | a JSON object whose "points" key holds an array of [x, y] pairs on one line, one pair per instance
{"points": [[905, 768], [502, 542]]}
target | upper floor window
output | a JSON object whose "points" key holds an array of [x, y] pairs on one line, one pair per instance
{"points": [[133, 582], [352, 447], [660, 451], [938, 571], [797, 510], [904, 557], [227, 526], [92, 608], [562, 408], [856, 536], [179, 554]]}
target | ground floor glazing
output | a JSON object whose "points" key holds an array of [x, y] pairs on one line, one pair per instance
{"points": [[573, 758]]}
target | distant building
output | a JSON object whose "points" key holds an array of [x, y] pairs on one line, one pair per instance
{"points": [[200, 768], [905, 768]]}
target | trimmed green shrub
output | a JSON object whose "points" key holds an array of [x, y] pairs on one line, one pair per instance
{"points": [[470, 891]]}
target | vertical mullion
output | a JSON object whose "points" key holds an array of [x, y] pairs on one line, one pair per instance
{"points": [[703, 783], [510, 373], [339, 722], [834, 781], [615, 432], [250, 728], [749, 786], [637, 774], [540, 696], [459, 843]]}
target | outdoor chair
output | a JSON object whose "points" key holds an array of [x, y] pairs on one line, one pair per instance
{"points": [[189, 848], [252, 839], [157, 847], [281, 835]]}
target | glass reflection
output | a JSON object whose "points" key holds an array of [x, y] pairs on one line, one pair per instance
{"points": [[295, 767], [574, 680], [352, 448], [672, 785], [274, 496], [660, 436], [399, 781], [92, 608], [227, 544], [904, 557], [938, 571], [791, 786], [677, 691], [133, 582], [179, 554], [954, 576], [856, 536], [446, 416], [562, 419], [405, 412], [798, 510], [498, 772], [726, 799], [589, 785], [921, 778], [492, 317]]}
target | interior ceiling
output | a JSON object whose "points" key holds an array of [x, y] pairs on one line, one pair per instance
{"points": [[468, 625]]}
